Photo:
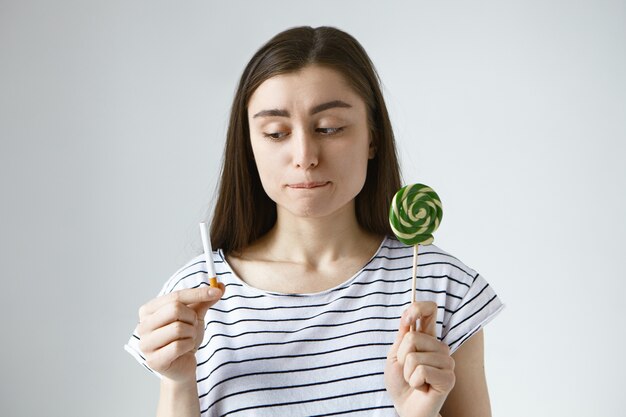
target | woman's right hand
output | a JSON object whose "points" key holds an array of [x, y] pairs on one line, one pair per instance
{"points": [[171, 328]]}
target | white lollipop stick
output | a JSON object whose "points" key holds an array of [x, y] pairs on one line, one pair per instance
{"points": [[208, 254], [414, 280]]}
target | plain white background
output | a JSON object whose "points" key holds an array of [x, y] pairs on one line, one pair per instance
{"points": [[112, 121]]}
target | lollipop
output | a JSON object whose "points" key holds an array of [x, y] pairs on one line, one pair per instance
{"points": [[414, 215]]}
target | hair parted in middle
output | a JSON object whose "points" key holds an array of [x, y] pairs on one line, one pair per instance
{"points": [[243, 211]]}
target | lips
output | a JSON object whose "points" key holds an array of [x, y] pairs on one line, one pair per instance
{"points": [[309, 185]]}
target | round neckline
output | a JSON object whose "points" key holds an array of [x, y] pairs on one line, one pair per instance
{"points": [[345, 283]]}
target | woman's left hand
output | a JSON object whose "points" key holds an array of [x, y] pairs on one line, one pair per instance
{"points": [[419, 373]]}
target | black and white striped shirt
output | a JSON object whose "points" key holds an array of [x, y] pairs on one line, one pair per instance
{"points": [[322, 354]]}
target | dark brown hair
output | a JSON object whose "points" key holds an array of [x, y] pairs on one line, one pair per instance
{"points": [[243, 211]]}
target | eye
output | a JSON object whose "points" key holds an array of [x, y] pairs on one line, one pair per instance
{"points": [[328, 131], [274, 136]]}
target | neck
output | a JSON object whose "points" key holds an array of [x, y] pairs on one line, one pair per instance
{"points": [[312, 241]]}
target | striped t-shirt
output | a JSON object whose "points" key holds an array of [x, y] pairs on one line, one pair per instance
{"points": [[322, 354]]}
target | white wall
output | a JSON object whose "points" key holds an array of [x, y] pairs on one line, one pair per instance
{"points": [[112, 119]]}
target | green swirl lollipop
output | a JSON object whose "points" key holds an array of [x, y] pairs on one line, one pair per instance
{"points": [[415, 214]]}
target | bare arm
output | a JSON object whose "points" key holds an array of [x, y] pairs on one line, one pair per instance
{"points": [[178, 399], [469, 397]]}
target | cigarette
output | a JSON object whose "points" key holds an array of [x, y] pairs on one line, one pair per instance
{"points": [[208, 254]]}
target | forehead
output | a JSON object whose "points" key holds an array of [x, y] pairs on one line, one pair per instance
{"points": [[304, 88]]}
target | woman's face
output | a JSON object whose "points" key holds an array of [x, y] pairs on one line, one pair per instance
{"points": [[310, 140]]}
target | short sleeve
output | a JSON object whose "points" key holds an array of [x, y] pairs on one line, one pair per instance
{"points": [[192, 275], [479, 305]]}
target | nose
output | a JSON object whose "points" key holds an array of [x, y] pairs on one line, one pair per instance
{"points": [[305, 151]]}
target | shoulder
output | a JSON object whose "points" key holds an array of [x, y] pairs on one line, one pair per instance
{"points": [[431, 259], [465, 299]]}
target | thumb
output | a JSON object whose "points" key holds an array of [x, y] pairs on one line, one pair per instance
{"points": [[215, 294], [405, 327]]}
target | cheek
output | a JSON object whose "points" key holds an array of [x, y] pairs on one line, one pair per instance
{"points": [[269, 165], [354, 168]]}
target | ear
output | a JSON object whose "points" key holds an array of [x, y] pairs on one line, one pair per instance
{"points": [[372, 150]]}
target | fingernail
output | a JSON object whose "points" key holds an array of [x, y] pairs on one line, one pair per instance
{"points": [[214, 292]]}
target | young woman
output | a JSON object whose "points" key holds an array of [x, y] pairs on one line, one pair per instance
{"points": [[313, 314]]}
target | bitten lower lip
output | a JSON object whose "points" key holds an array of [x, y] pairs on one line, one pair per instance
{"points": [[308, 185]]}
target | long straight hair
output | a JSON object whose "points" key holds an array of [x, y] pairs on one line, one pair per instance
{"points": [[243, 211]]}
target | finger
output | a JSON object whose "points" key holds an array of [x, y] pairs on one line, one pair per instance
{"points": [[165, 335], [162, 359], [420, 342], [426, 377], [426, 309], [167, 314], [434, 360], [186, 296], [202, 308], [426, 313]]}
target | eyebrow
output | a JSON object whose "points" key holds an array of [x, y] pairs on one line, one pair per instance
{"points": [[314, 110]]}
